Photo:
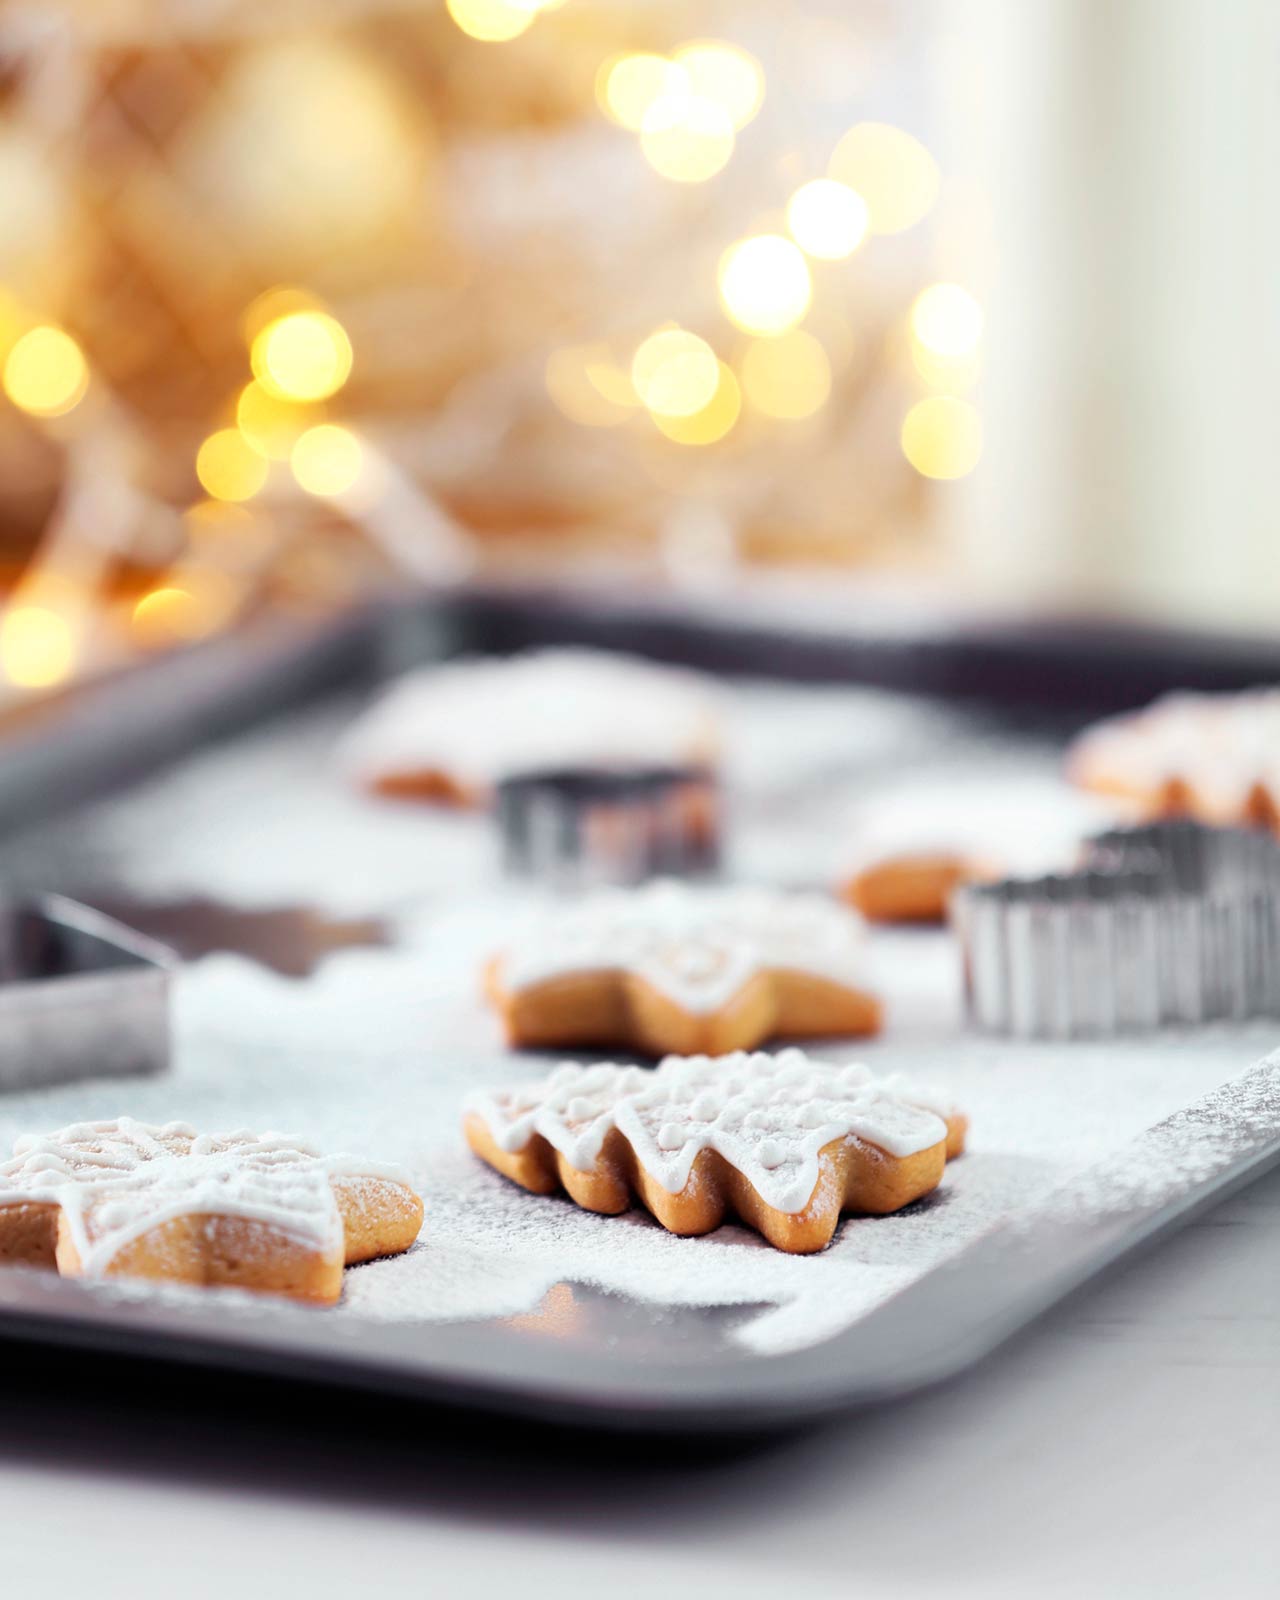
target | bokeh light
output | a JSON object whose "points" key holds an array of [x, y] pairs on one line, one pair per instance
{"points": [[305, 355], [725, 75], [228, 466], [228, 535], [492, 20], [827, 219], [713, 422], [588, 386], [45, 372], [675, 373], [327, 460], [950, 374], [166, 614], [272, 425], [13, 321], [788, 377], [626, 86], [894, 173], [686, 138], [178, 612], [947, 321], [37, 647], [308, 149], [271, 305], [765, 284], [942, 437]]}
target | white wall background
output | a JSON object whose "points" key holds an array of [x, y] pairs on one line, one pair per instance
{"points": [[1128, 254]]}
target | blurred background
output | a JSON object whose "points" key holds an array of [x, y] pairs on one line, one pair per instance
{"points": [[917, 308]]}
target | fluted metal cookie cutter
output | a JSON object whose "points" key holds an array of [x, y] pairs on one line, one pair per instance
{"points": [[81, 996], [579, 829], [1170, 923]]}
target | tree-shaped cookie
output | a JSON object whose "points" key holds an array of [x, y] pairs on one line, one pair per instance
{"points": [[784, 1142]]}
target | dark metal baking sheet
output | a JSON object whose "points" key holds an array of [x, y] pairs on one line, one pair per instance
{"points": [[623, 1364], [625, 1368]]}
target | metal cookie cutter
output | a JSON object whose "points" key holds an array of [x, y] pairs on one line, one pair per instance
{"points": [[1171, 923], [581, 828], [80, 995]]}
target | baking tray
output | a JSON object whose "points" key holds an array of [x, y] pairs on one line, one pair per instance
{"points": [[624, 1370], [619, 1362]]}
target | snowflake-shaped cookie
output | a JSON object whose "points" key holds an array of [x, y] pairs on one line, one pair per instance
{"points": [[454, 732], [677, 968], [785, 1142], [238, 1209]]}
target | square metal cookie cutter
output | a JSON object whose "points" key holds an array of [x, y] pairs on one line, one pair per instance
{"points": [[575, 828], [81, 996], [1170, 923]]}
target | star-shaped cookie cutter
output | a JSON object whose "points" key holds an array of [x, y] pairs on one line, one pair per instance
{"points": [[80, 995], [1172, 923]]}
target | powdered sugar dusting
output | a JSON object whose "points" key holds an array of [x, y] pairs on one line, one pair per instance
{"points": [[379, 1050], [1187, 1149]]}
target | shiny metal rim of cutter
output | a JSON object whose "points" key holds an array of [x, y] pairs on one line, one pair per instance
{"points": [[1172, 923], [81, 996]]}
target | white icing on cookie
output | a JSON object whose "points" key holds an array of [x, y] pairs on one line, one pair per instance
{"points": [[1220, 744], [697, 945], [767, 1115], [483, 720], [115, 1181]]}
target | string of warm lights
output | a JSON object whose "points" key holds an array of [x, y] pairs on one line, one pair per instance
{"points": [[763, 342], [300, 356], [686, 109]]}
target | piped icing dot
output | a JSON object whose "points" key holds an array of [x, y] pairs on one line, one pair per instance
{"points": [[706, 1106], [771, 1155], [579, 1108], [670, 1136]]}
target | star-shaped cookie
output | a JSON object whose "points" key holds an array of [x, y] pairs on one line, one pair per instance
{"points": [[680, 969], [238, 1210], [453, 733], [784, 1142]]}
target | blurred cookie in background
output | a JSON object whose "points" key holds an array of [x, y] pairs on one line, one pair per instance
{"points": [[913, 844], [1215, 757], [453, 733]]}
